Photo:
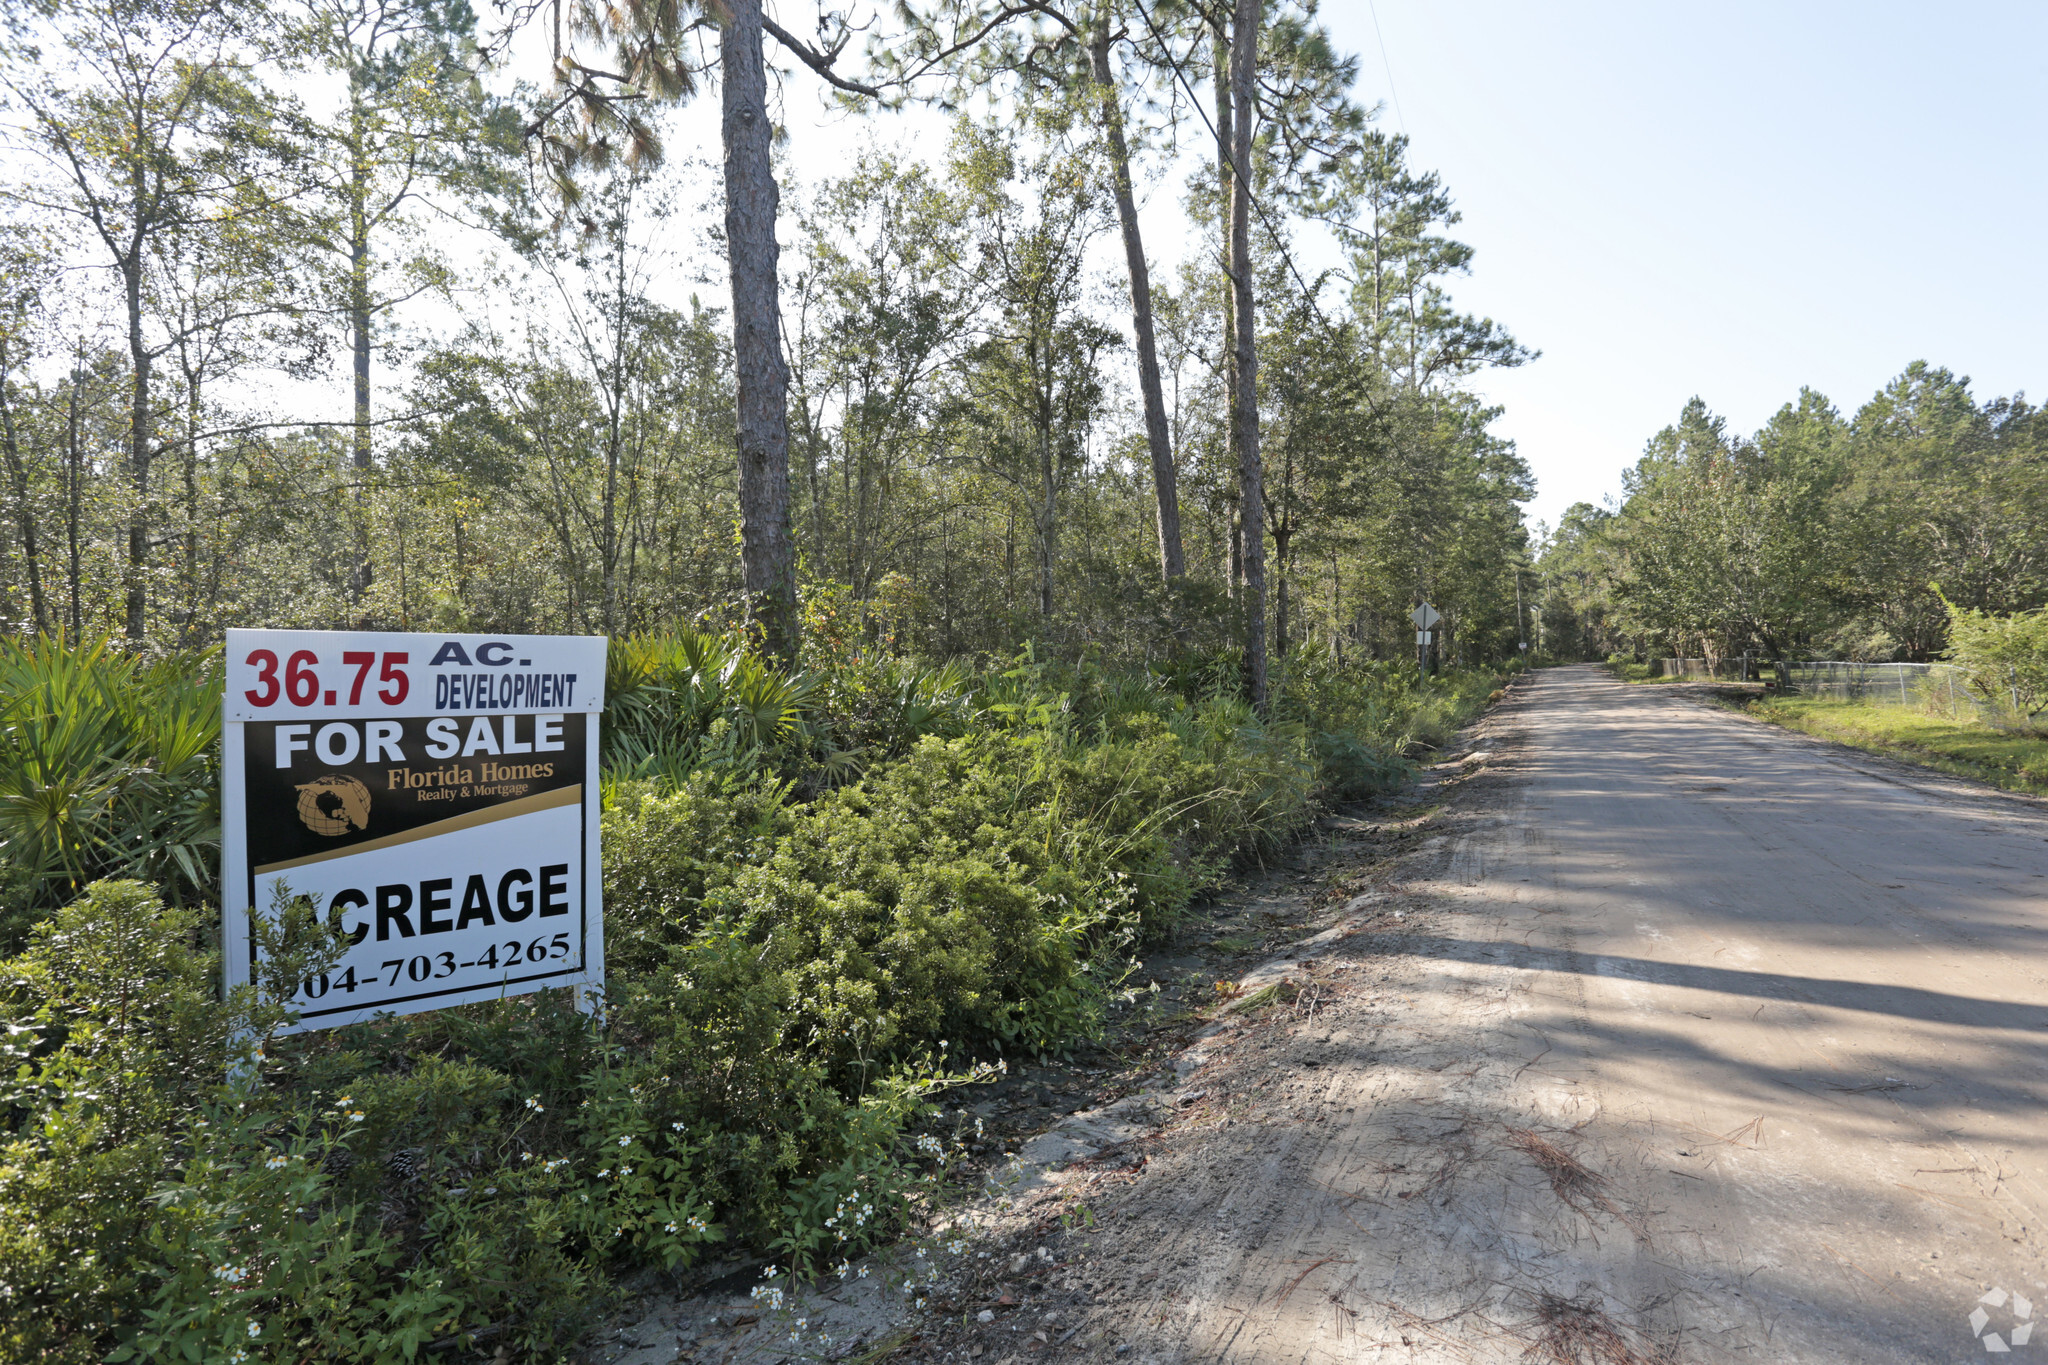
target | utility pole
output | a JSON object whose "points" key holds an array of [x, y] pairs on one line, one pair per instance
{"points": [[1521, 626]]}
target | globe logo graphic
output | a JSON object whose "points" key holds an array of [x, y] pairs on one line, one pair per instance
{"points": [[329, 805]]}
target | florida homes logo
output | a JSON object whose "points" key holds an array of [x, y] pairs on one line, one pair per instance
{"points": [[2015, 1309], [330, 804]]}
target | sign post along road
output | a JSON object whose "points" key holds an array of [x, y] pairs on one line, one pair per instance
{"points": [[1425, 617], [437, 795]]}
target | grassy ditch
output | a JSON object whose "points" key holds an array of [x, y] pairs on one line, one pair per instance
{"points": [[2014, 760], [832, 894]]}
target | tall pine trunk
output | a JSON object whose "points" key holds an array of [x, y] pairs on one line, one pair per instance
{"points": [[1166, 493], [135, 574], [1244, 369], [74, 492], [1048, 516], [1233, 544], [359, 290], [767, 558], [1283, 555], [1233, 521], [188, 468], [359, 316], [1282, 562]]}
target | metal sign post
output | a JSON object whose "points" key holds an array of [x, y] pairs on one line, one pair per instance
{"points": [[1521, 624], [1425, 617], [437, 796]]}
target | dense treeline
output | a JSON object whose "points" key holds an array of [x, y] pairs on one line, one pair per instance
{"points": [[314, 316], [1821, 536]]}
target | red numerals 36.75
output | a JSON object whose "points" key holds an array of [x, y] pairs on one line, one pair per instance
{"points": [[300, 684]]}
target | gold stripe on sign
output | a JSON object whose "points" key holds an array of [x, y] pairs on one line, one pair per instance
{"points": [[525, 805]]}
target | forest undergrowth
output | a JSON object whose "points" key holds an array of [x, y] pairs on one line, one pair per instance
{"points": [[832, 894]]}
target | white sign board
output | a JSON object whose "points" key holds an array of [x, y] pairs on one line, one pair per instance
{"points": [[437, 795], [1425, 616]]}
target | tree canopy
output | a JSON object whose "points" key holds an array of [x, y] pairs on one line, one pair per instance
{"points": [[333, 313], [1819, 536]]}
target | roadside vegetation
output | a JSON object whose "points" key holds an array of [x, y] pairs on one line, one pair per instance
{"points": [[1978, 717], [1636, 671], [832, 895], [1907, 532], [2015, 760], [1986, 723]]}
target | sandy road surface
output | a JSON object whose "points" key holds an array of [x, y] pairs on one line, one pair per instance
{"points": [[1694, 1041]]}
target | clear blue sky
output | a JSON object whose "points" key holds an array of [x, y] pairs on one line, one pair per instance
{"points": [[1727, 200]]}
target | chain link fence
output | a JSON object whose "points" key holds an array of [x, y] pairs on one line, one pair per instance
{"points": [[1936, 689], [1705, 670]]}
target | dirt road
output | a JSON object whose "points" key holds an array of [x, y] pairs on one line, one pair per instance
{"points": [[1671, 1037], [1693, 1040]]}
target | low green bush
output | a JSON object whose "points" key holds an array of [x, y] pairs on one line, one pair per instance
{"points": [[829, 897], [2005, 658], [157, 1202]]}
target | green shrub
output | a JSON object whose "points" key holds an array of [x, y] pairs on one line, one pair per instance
{"points": [[115, 1041], [828, 898], [152, 1204], [668, 845], [2005, 657]]}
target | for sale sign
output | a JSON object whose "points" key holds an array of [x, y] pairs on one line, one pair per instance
{"points": [[436, 795]]}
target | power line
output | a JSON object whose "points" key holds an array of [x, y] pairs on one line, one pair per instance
{"points": [[1235, 169], [1387, 65]]}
